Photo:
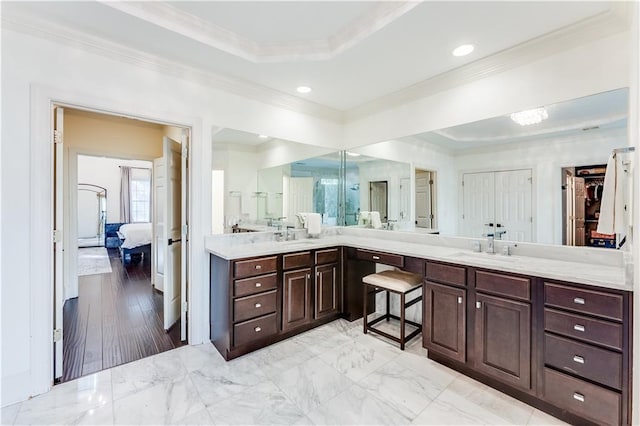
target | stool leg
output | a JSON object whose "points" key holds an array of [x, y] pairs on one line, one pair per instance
{"points": [[402, 309], [364, 309], [388, 310]]}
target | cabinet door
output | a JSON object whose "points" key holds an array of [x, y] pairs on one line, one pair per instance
{"points": [[503, 339], [445, 320], [327, 291], [296, 306]]}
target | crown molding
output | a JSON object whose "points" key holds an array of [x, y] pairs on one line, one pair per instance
{"points": [[188, 25], [613, 21], [91, 44]]}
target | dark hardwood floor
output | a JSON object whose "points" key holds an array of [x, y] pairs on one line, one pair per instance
{"points": [[116, 318]]}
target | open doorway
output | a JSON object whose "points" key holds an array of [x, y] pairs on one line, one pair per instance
{"points": [[109, 306], [425, 199]]}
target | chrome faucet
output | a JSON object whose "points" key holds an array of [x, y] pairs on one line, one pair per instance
{"points": [[490, 244]]}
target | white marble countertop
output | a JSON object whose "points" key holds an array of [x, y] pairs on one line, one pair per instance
{"points": [[609, 276]]}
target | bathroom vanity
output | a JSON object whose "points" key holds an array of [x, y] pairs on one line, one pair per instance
{"points": [[555, 334]]}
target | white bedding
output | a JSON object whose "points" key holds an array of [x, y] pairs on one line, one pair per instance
{"points": [[135, 234]]}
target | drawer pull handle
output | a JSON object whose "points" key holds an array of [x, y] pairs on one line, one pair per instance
{"points": [[258, 305], [578, 327], [258, 284], [376, 257], [578, 359], [460, 300], [257, 329], [578, 300], [578, 396], [258, 267]]}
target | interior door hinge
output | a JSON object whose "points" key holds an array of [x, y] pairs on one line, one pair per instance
{"points": [[185, 230], [185, 306], [185, 151], [56, 236], [57, 335], [57, 136]]}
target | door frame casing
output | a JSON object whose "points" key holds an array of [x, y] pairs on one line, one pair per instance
{"points": [[39, 378]]}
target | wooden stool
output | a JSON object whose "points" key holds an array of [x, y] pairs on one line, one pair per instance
{"points": [[394, 281]]}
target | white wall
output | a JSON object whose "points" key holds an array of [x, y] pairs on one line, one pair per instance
{"points": [[36, 71], [105, 172]]}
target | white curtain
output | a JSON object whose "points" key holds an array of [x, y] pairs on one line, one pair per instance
{"points": [[125, 194]]}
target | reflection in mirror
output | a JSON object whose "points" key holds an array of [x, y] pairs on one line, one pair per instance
{"points": [[516, 179], [248, 179], [375, 184]]}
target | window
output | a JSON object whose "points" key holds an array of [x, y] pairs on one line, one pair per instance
{"points": [[140, 195]]}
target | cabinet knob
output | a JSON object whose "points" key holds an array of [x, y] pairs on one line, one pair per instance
{"points": [[578, 327], [578, 359], [578, 300], [258, 284], [308, 276], [578, 396], [258, 305], [257, 329], [258, 267], [460, 300], [376, 257], [478, 305]]}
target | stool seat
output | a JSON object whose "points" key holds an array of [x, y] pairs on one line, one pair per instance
{"points": [[394, 280]]}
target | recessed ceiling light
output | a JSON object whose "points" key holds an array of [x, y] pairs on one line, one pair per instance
{"points": [[530, 116], [463, 50], [303, 89], [263, 136]]}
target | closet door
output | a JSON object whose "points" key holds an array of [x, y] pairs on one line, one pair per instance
{"points": [[513, 205], [478, 200]]}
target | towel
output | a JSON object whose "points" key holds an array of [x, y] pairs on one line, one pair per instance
{"points": [[612, 215], [376, 223], [314, 223], [364, 218]]}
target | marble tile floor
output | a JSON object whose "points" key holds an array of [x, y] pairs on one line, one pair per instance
{"points": [[333, 374]]}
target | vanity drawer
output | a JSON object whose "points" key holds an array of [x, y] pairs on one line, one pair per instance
{"points": [[505, 285], [593, 363], [250, 268], [249, 286], [446, 274], [386, 258], [327, 256], [254, 306], [588, 329], [296, 260], [606, 305], [597, 404], [255, 329]]}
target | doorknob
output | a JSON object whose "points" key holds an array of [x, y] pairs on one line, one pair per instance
{"points": [[171, 241]]}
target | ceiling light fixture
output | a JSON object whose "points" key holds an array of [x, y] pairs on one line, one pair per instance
{"points": [[303, 89], [263, 136], [463, 50], [530, 116]]}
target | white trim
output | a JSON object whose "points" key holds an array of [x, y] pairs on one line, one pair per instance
{"points": [[41, 220]]}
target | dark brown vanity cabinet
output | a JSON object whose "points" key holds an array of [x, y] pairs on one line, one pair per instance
{"points": [[296, 304], [328, 284], [502, 327], [445, 311], [586, 351]]}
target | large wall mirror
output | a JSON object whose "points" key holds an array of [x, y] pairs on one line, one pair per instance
{"points": [[535, 177], [532, 177]]}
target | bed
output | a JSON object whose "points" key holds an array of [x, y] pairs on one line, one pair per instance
{"points": [[135, 242]]}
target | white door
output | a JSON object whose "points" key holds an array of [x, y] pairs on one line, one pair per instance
{"points": [[478, 203], [159, 184], [169, 230], [300, 195], [405, 199], [423, 199], [58, 244], [513, 218], [184, 215]]}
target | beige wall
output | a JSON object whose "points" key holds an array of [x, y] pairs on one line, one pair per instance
{"points": [[91, 133]]}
